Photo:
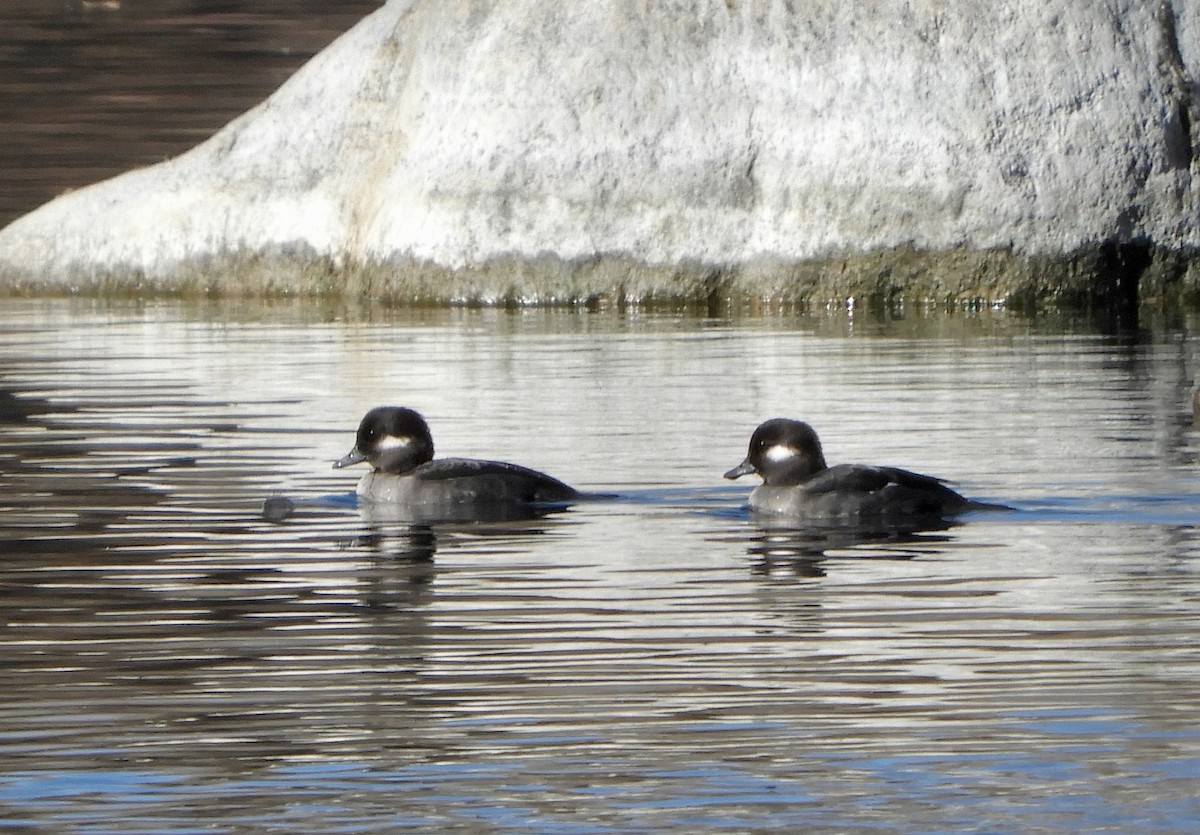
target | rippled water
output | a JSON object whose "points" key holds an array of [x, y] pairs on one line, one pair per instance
{"points": [[175, 662], [92, 88]]}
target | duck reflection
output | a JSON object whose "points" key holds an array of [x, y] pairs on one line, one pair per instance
{"points": [[788, 547], [405, 581], [398, 533], [405, 543]]}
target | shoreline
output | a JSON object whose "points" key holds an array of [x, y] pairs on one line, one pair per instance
{"points": [[1105, 276]]}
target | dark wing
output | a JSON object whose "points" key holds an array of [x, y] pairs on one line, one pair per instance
{"points": [[890, 488], [484, 481], [855, 478], [860, 477]]}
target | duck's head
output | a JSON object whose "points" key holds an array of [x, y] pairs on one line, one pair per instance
{"points": [[392, 439], [783, 452]]}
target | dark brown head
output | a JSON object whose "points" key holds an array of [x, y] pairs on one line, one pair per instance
{"points": [[783, 452], [391, 439]]}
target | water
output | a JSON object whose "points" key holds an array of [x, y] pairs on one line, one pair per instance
{"points": [[92, 88], [175, 662]]}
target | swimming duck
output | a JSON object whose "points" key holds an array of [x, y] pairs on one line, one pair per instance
{"points": [[397, 444], [797, 481]]}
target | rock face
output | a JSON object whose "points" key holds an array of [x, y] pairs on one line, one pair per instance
{"points": [[540, 150]]}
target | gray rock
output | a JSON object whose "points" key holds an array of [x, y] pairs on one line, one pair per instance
{"points": [[549, 151]]}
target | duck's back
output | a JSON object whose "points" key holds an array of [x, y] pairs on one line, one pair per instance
{"points": [[856, 491], [471, 480]]}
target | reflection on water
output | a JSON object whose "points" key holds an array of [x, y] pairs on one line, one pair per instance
{"points": [[177, 660], [780, 545]]}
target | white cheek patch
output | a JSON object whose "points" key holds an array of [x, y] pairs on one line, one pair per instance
{"points": [[779, 452], [389, 442]]}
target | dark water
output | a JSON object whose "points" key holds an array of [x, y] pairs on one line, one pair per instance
{"points": [[174, 662], [92, 88]]}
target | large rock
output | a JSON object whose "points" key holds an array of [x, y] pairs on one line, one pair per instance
{"points": [[544, 150]]}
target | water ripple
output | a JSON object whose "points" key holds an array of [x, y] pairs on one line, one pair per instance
{"points": [[657, 660]]}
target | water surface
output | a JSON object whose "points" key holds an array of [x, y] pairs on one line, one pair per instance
{"points": [[92, 88], [174, 661]]}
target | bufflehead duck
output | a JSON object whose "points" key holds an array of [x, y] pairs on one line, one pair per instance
{"points": [[396, 442], [797, 482]]}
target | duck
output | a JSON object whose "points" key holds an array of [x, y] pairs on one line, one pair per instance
{"points": [[395, 441], [796, 482]]}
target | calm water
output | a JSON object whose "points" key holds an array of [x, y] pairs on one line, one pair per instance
{"points": [[92, 88], [174, 662]]}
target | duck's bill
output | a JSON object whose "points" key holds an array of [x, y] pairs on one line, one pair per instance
{"points": [[744, 468], [351, 457]]}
